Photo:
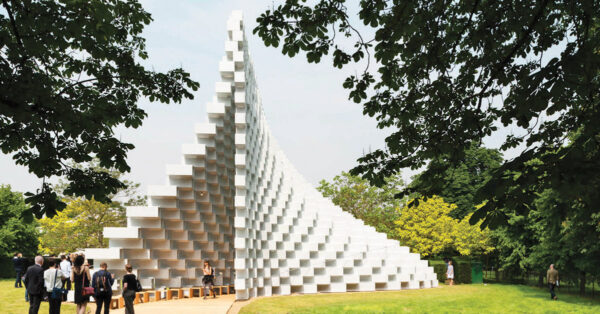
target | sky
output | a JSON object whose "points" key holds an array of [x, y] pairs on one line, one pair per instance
{"points": [[307, 109]]}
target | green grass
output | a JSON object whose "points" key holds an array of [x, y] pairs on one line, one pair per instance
{"points": [[476, 298], [12, 300]]}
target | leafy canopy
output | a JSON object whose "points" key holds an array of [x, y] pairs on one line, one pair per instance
{"points": [[428, 229], [70, 74], [80, 225], [16, 234], [457, 183], [86, 219], [376, 206], [449, 73]]}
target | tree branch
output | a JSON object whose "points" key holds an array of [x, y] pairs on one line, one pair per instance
{"points": [[514, 50], [13, 23]]}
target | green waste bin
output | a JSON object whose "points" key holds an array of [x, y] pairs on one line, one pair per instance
{"points": [[476, 272]]}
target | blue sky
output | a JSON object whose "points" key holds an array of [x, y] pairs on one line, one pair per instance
{"points": [[320, 131]]}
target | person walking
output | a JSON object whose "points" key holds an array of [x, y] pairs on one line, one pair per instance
{"points": [[65, 267], [34, 283], [129, 289], [208, 279], [19, 264], [53, 279], [102, 282], [450, 273], [80, 276], [552, 278]]}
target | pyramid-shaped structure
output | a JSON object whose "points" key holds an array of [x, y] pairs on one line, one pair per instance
{"points": [[237, 201]]}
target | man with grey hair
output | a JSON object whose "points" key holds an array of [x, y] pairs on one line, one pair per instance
{"points": [[552, 278], [34, 282]]}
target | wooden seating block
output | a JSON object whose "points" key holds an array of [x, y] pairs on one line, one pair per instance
{"points": [[146, 296], [114, 303], [192, 289], [170, 294], [157, 295], [138, 298]]}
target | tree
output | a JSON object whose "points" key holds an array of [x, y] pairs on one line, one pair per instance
{"points": [[457, 183], [553, 232], [16, 234], [84, 219], [79, 225], [70, 74], [128, 195], [428, 229], [377, 207], [449, 73]]}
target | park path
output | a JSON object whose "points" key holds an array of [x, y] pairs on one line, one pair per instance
{"points": [[185, 306]]}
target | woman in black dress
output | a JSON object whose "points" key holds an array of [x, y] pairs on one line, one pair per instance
{"points": [[80, 276]]}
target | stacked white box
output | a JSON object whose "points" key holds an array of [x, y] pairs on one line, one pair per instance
{"points": [[237, 200]]}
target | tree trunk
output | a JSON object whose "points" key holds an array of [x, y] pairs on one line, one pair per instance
{"points": [[541, 279], [582, 283]]}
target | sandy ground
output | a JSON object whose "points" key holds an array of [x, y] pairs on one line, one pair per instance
{"points": [[185, 306]]}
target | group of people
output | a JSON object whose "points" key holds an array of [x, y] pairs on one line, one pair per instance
{"points": [[56, 281]]}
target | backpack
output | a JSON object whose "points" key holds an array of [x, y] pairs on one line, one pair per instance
{"points": [[138, 285], [103, 288]]}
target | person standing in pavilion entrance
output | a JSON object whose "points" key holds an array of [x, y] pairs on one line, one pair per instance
{"points": [[208, 279]]}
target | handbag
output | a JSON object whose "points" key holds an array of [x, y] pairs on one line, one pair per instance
{"points": [[138, 286], [86, 291], [57, 293]]}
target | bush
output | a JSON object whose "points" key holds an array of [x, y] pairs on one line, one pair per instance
{"points": [[462, 272]]}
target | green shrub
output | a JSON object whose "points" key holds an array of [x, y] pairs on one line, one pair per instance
{"points": [[7, 269], [462, 272]]}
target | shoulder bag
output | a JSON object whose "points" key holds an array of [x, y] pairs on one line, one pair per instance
{"points": [[85, 291], [57, 293]]}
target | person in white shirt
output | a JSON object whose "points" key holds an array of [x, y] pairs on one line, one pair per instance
{"points": [[450, 273], [65, 267], [53, 279]]}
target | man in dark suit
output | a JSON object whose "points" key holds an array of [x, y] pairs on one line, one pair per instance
{"points": [[34, 282], [19, 264]]}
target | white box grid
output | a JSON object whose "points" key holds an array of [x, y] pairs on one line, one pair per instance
{"points": [[237, 200]]}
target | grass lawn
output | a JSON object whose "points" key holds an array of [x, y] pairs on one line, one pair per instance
{"points": [[12, 300], [476, 298]]}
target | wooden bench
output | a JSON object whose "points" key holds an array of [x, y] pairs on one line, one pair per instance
{"points": [[157, 295], [117, 302], [192, 289], [177, 292]]}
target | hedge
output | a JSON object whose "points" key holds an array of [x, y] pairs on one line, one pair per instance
{"points": [[7, 269], [462, 270]]}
